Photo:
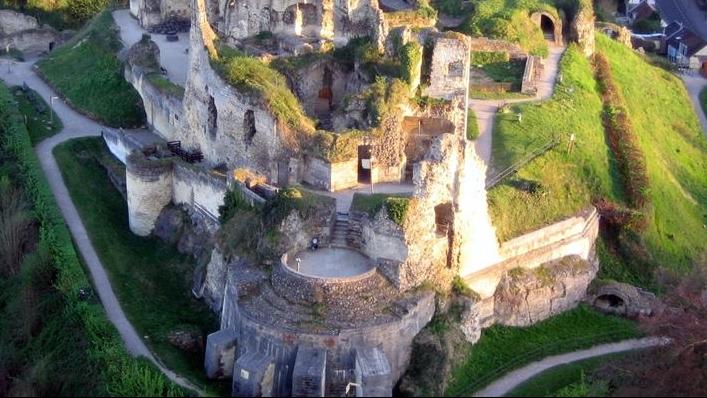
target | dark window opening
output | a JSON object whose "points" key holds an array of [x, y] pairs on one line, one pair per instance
{"points": [[213, 116], [51, 45], [444, 217], [249, 126], [364, 164]]}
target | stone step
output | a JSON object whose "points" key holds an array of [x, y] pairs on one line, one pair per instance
{"points": [[281, 303]]}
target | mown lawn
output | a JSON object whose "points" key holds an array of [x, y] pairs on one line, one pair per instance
{"points": [[152, 281], [567, 181], [88, 73], [672, 140], [39, 121], [502, 346]]}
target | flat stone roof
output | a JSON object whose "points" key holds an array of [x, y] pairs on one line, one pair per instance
{"points": [[334, 262]]}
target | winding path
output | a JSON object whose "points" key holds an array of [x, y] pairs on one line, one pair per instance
{"points": [[486, 109], [510, 381], [76, 126], [695, 84]]}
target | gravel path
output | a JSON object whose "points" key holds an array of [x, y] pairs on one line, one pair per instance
{"points": [[510, 381], [486, 109], [76, 126], [695, 84]]}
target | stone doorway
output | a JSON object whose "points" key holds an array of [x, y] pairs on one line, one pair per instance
{"points": [[364, 164], [548, 28]]}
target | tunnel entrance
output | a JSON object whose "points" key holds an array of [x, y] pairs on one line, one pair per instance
{"points": [[610, 303], [548, 27]]}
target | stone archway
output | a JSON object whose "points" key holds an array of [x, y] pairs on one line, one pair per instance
{"points": [[551, 26]]}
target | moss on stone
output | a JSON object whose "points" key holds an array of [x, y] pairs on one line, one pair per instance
{"points": [[410, 62]]}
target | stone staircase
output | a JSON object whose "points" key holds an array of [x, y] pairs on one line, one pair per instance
{"points": [[341, 229], [354, 235]]}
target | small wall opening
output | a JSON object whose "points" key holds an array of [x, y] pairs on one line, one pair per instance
{"points": [[213, 116], [249, 126], [610, 303], [51, 45], [444, 216], [364, 164], [455, 69], [548, 27]]}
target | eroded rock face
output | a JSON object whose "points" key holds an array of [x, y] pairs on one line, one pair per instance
{"points": [[470, 322], [524, 297], [583, 30], [622, 299]]}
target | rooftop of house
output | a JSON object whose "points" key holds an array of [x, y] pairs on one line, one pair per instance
{"points": [[691, 13], [689, 38]]}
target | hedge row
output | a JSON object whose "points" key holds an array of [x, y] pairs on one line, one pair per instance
{"points": [[623, 141], [123, 375]]}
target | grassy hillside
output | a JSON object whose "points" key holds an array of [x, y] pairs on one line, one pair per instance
{"points": [[88, 73], [62, 14], [559, 183], [672, 140]]}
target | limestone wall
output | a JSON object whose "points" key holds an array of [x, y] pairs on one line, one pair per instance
{"points": [[13, 22], [449, 70], [198, 189], [163, 110], [32, 41], [329, 176], [573, 236], [175, 9], [149, 188], [216, 118]]}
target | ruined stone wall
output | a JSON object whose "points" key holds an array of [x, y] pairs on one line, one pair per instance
{"points": [[216, 119], [573, 236], [13, 22], [484, 44], [449, 69], [33, 41], [329, 176], [582, 28], [281, 345], [163, 110], [337, 20], [175, 9]]}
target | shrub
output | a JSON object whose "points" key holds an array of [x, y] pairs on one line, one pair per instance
{"points": [[83, 10], [232, 203], [397, 209], [623, 141], [411, 63]]}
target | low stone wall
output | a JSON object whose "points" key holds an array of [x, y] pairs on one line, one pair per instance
{"points": [[33, 41], [573, 236], [13, 22], [533, 66], [304, 289], [199, 189], [484, 44]]}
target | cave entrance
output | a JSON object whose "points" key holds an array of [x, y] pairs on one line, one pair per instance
{"points": [[249, 126], [548, 27], [51, 45], [325, 93], [610, 303], [364, 164]]}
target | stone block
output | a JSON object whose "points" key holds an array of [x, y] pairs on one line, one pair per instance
{"points": [[373, 373], [253, 375], [220, 354], [308, 375]]}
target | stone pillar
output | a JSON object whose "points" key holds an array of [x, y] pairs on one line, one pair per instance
{"points": [[253, 376], [220, 354], [373, 375], [308, 375], [149, 187]]}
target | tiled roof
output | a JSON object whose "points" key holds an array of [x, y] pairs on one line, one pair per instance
{"points": [[691, 13]]}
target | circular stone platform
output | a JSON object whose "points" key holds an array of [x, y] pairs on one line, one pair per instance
{"points": [[334, 262]]}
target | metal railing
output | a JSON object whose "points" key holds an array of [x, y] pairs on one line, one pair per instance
{"points": [[493, 181]]}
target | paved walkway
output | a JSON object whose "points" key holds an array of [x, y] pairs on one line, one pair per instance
{"points": [[486, 109], [695, 84], [76, 126], [173, 56], [510, 381]]}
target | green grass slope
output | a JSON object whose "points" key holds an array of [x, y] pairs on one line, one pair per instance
{"points": [[151, 279], [88, 73], [672, 140], [567, 181]]}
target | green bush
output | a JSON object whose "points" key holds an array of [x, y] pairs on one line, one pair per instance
{"points": [[123, 374], [472, 126], [410, 62], [397, 209], [83, 10], [488, 57]]}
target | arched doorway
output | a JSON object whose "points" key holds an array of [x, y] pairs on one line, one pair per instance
{"points": [[548, 27]]}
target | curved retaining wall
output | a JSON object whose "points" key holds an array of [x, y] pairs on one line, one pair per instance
{"points": [[304, 289], [149, 186]]}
